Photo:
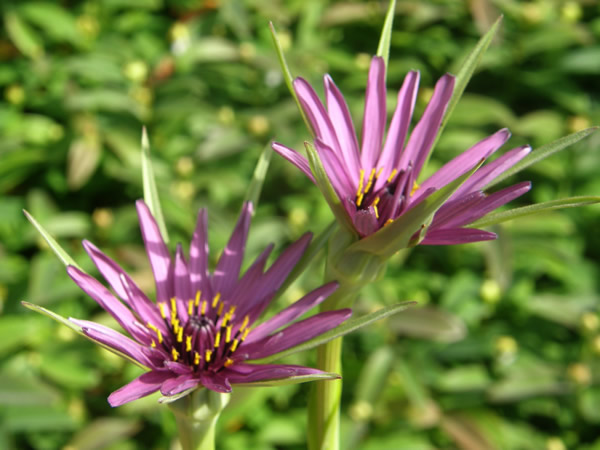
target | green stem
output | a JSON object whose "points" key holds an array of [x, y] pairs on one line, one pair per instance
{"points": [[196, 416]]}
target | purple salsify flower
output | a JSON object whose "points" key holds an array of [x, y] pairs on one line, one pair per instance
{"points": [[376, 182], [199, 331]]}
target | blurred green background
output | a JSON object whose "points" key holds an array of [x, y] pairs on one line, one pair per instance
{"points": [[502, 351]]}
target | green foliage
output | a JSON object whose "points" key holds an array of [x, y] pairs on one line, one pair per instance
{"points": [[502, 351]]}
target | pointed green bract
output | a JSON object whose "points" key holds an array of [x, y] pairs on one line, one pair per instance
{"points": [[397, 235], [347, 327], [464, 76], [149, 184], [287, 76], [258, 178], [56, 248], [503, 216], [542, 153], [383, 49], [324, 185], [297, 379]]}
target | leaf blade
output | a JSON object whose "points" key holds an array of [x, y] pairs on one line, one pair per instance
{"points": [[149, 186], [383, 49]]}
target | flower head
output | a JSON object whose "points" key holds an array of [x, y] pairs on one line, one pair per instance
{"points": [[377, 182], [200, 331]]}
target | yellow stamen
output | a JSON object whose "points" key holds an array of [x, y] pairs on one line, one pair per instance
{"points": [[217, 339], [196, 358], [370, 182], [414, 189], [197, 301], [231, 311], [376, 201], [226, 320], [216, 300], [175, 354], [245, 323], [376, 211], [392, 175], [203, 310], [207, 355], [234, 345], [188, 343], [153, 345], [387, 222], [378, 174], [245, 335], [159, 335], [228, 363], [360, 183], [175, 323], [163, 314], [220, 310], [190, 307], [152, 327], [359, 200], [180, 334], [173, 306], [228, 335]]}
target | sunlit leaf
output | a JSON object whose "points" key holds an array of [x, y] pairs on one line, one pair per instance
{"points": [[258, 178], [150, 191], [383, 49], [296, 379], [56, 248]]}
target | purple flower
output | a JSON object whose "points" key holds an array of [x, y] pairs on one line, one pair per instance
{"points": [[376, 182], [200, 331]]}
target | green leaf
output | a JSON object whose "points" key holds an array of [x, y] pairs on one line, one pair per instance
{"points": [[464, 76], [150, 191], [347, 327], [258, 178], [23, 36], [543, 152], [383, 49], [297, 379], [287, 76], [56, 248], [397, 235], [322, 180], [516, 213]]}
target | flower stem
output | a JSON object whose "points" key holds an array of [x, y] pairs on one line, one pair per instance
{"points": [[196, 416]]}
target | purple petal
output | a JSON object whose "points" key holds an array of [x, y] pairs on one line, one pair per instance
{"points": [[292, 312], [296, 334], [248, 373], [394, 142], [454, 236], [365, 221], [144, 385], [227, 271], [315, 112], [466, 160], [178, 368], [456, 207], [215, 382], [157, 251], [420, 141], [295, 158], [336, 171], [374, 119], [173, 386], [183, 292], [199, 276], [344, 128]]}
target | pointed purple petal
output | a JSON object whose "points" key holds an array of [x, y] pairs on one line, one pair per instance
{"points": [[157, 251], [227, 271], [247, 290], [336, 171], [258, 372], [215, 382], [292, 312], [295, 158], [199, 276], [466, 160], [144, 385], [296, 334], [456, 207], [394, 142], [374, 119], [454, 236], [421, 139], [175, 385], [183, 292]]}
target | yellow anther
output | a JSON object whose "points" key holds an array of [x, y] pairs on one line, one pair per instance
{"points": [[392, 175], [245, 335], [173, 306], [228, 362], [220, 310], [163, 314], [216, 300], [190, 307], [359, 200], [153, 345], [217, 339], [245, 323], [197, 301], [207, 355], [370, 182], [231, 311], [203, 309], [360, 182], [175, 354], [196, 358], [376, 201], [159, 335], [376, 211], [378, 174], [175, 323], [414, 189], [180, 334], [188, 343], [234, 345], [228, 335], [152, 327], [387, 222], [226, 320]]}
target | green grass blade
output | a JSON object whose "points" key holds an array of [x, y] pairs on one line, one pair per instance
{"points": [[258, 178], [149, 184], [56, 248], [503, 216], [383, 49], [543, 152]]}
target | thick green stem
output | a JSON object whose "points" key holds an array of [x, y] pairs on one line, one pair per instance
{"points": [[196, 415]]}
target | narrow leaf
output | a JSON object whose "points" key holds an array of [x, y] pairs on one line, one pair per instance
{"points": [[397, 235], [347, 327], [258, 178], [287, 76], [543, 152], [297, 379], [383, 49], [515, 213], [150, 190], [56, 248]]}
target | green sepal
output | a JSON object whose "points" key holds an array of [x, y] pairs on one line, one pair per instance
{"points": [[149, 185], [54, 246], [383, 49], [324, 185], [347, 327], [503, 216], [258, 178], [296, 379], [398, 234], [543, 152]]}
